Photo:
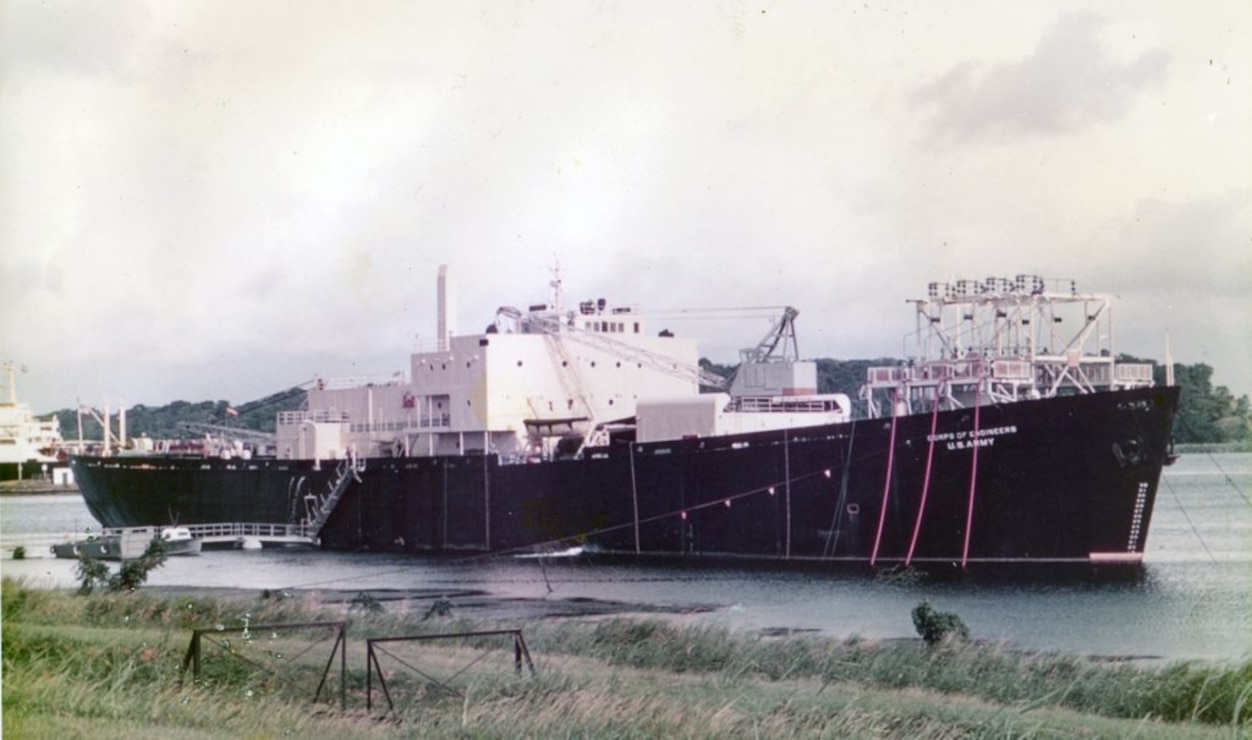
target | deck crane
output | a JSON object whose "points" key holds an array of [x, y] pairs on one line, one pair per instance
{"points": [[556, 322], [560, 326], [778, 345]]}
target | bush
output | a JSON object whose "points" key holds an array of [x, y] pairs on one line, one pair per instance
{"points": [[131, 575], [938, 627], [367, 603], [91, 572]]}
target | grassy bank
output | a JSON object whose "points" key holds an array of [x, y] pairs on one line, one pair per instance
{"points": [[109, 665]]}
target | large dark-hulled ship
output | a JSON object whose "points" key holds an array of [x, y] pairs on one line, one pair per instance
{"points": [[1011, 435]]}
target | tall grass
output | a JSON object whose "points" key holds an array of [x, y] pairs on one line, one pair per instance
{"points": [[113, 661], [1181, 692]]}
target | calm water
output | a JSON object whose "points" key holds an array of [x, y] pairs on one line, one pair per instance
{"points": [[1193, 601]]}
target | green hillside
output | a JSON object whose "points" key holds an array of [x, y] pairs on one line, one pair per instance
{"points": [[169, 421]]}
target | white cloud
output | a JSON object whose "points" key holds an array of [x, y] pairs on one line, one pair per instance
{"points": [[1069, 83]]}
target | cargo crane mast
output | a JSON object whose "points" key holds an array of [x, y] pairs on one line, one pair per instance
{"points": [[556, 324], [782, 333], [655, 360], [568, 373], [553, 320], [778, 345]]}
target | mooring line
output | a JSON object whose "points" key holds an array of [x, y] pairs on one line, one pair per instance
{"points": [[680, 512], [1228, 478], [886, 486], [525, 549], [930, 456], [1186, 516], [1230, 481], [836, 526], [973, 472]]}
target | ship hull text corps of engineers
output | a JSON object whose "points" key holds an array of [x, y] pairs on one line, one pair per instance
{"points": [[1064, 479]]}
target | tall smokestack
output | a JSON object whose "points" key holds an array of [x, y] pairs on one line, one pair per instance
{"points": [[447, 309]]}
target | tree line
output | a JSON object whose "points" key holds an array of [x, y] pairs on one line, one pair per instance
{"points": [[184, 420]]}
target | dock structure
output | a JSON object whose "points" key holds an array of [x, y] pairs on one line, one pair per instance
{"points": [[238, 534]]}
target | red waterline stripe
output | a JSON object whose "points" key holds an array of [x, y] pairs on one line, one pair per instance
{"points": [[973, 475], [930, 456], [886, 486]]}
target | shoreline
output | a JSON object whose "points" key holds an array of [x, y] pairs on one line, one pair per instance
{"points": [[475, 604], [34, 487], [486, 607]]}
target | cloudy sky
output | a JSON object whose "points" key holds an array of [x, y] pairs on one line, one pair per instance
{"points": [[217, 200]]}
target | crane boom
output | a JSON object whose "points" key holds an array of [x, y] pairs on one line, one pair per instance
{"points": [[231, 432], [783, 332], [779, 344], [627, 351]]}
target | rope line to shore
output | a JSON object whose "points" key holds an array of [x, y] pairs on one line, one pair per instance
{"points": [[1229, 480], [529, 549], [1187, 516]]}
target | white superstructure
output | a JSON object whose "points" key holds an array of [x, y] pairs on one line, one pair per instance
{"points": [[23, 438], [547, 374]]}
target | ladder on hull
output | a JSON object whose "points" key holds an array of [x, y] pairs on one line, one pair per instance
{"points": [[318, 506]]}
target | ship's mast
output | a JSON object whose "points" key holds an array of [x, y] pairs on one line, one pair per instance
{"points": [[555, 284], [1169, 363]]}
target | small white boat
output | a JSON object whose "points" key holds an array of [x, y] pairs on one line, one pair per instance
{"points": [[179, 541]]}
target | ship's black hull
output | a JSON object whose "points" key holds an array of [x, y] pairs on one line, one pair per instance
{"points": [[1068, 479]]}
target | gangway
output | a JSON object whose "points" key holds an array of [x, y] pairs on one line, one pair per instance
{"points": [[318, 506]]}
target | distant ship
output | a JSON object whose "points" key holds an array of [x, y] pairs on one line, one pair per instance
{"points": [[1011, 435], [28, 447]]}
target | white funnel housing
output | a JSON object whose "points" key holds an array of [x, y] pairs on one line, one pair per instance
{"points": [[447, 322]]}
